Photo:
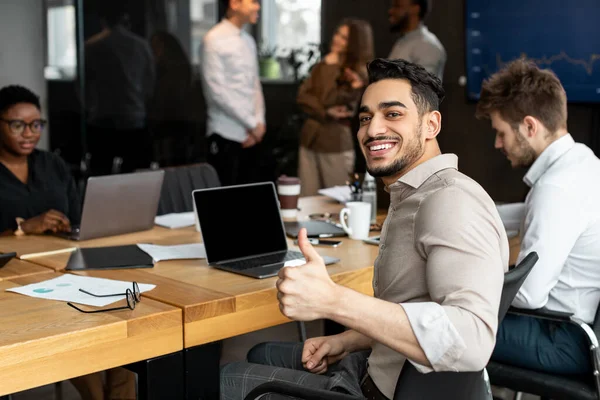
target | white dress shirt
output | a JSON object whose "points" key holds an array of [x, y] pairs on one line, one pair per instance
{"points": [[421, 47], [561, 222], [231, 84]]}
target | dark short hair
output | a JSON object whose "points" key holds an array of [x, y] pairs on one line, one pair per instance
{"points": [[520, 89], [15, 94], [427, 90], [425, 7]]}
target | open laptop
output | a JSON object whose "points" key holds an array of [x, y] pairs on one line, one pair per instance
{"points": [[116, 204], [243, 230]]}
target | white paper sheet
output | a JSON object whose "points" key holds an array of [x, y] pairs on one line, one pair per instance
{"points": [[339, 193], [66, 288], [177, 252], [175, 220]]}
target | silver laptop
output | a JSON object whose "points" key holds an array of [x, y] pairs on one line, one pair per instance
{"points": [[116, 204], [243, 231]]}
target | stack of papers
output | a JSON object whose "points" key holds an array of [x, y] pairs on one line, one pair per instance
{"points": [[339, 193], [176, 220], [177, 252], [66, 288]]}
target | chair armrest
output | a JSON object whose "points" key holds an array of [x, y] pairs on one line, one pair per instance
{"points": [[587, 330], [297, 391], [542, 313]]}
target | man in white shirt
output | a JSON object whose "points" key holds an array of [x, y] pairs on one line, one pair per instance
{"points": [[560, 219], [417, 44], [233, 92]]}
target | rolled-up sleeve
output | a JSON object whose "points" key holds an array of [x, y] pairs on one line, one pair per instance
{"points": [[462, 240]]}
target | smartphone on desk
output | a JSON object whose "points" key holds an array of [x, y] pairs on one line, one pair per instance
{"points": [[5, 258], [372, 240], [322, 242]]}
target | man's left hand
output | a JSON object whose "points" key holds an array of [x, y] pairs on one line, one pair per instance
{"points": [[306, 293]]}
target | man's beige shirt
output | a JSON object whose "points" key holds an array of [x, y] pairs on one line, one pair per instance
{"points": [[442, 256]]}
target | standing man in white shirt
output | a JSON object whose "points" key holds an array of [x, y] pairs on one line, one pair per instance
{"points": [[233, 92], [417, 44], [560, 218]]}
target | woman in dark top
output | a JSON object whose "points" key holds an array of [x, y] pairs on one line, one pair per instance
{"points": [[37, 191], [38, 194]]}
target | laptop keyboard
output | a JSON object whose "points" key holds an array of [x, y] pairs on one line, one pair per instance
{"points": [[263, 260]]}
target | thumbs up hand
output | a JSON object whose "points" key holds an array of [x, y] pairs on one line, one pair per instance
{"points": [[306, 292]]}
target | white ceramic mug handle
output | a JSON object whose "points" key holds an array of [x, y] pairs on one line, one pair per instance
{"points": [[345, 212]]}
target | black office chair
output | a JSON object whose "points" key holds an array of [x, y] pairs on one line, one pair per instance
{"points": [[179, 182], [546, 385], [413, 385]]}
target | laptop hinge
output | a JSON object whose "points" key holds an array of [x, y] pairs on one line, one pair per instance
{"points": [[250, 257]]}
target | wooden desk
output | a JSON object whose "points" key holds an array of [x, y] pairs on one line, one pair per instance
{"points": [[17, 269], [219, 304], [45, 341], [31, 244], [514, 247], [215, 304]]}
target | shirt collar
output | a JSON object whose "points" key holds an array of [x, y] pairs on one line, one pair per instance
{"points": [[416, 32], [231, 26], [547, 158], [418, 175]]}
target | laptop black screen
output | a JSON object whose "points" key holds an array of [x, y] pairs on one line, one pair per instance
{"points": [[239, 221]]}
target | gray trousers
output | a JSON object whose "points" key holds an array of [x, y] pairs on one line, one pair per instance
{"points": [[283, 362]]}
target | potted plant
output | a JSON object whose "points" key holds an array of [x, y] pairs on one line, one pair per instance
{"points": [[268, 65], [302, 60]]}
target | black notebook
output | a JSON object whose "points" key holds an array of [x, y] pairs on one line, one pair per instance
{"points": [[115, 257]]}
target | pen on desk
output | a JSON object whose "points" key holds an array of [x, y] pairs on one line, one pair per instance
{"points": [[47, 253]]}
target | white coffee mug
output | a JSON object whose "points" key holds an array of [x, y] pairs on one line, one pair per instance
{"points": [[359, 219]]}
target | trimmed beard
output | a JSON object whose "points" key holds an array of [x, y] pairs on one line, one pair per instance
{"points": [[400, 26], [525, 155], [413, 151]]}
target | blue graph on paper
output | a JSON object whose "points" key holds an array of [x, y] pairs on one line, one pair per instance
{"points": [[561, 35]]}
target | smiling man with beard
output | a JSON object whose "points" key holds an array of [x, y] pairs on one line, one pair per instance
{"points": [[417, 44], [438, 276]]}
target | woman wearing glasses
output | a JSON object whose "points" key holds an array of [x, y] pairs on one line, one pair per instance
{"points": [[37, 191]]}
